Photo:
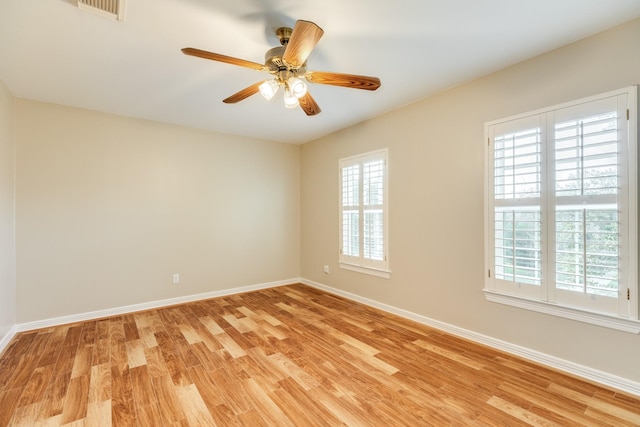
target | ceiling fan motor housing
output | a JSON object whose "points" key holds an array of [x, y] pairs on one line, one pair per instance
{"points": [[276, 66]]}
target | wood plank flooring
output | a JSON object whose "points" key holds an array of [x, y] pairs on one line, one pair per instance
{"points": [[286, 356]]}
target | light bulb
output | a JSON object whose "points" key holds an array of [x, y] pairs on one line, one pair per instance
{"points": [[268, 88], [297, 87], [290, 100]]}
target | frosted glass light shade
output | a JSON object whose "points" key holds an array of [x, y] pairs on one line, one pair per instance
{"points": [[297, 87], [269, 88], [290, 100]]}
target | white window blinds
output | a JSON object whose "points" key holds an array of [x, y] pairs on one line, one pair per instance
{"points": [[351, 210], [517, 190], [517, 158], [587, 152], [363, 216], [373, 197], [562, 205]]}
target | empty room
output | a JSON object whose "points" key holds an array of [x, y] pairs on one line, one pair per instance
{"points": [[269, 212]]}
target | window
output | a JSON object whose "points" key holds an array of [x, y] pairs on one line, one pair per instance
{"points": [[363, 214], [561, 210]]}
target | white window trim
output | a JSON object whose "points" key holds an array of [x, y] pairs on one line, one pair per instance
{"points": [[344, 262], [385, 274], [611, 322], [630, 324]]}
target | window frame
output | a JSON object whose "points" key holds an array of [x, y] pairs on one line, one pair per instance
{"points": [[360, 263], [543, 300]]}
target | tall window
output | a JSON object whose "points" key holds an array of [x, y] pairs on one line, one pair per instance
{"points": [[363, 213], [561, 207]]}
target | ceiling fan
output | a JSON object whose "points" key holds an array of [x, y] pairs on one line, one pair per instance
{"points": [[288, 66]]}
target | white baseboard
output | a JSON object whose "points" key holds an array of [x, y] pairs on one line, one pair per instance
{"points": [[572, 368], [6, 339], [91, 315]]}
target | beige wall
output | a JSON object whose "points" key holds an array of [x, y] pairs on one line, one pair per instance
{"points": [[436, 200], [7, 240], [108, 208]]}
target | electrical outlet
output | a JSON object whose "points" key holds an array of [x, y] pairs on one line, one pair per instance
{"points": [[326, 269], [176, 278]]}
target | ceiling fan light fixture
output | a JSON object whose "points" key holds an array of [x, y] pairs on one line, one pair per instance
{"points": [[288, 65], [290, 100], [297, 87], [269, 88]]}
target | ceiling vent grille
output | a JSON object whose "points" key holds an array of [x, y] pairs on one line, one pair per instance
{"points": [[113, 9]]}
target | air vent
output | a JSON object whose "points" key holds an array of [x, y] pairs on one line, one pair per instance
{"points": [[113, 9]]}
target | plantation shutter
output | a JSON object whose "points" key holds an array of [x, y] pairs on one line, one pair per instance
{"points": [[561, 205], [351, 210], [589, 190], [516, 188], [363, 216], [373, 180]]}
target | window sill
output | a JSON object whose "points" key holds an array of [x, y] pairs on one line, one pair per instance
{"points": [[618, 323], [385, 274]]}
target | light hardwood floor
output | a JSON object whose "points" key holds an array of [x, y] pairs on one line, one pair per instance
{"points": [[290, 355]]}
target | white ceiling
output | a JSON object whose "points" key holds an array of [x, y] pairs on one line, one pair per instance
{"points": [[51, 51]]}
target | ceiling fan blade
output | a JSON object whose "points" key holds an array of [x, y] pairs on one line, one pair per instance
{"points": [[309, 105], [243, 94], [303, 39], [222, 58], [345, 80]]}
